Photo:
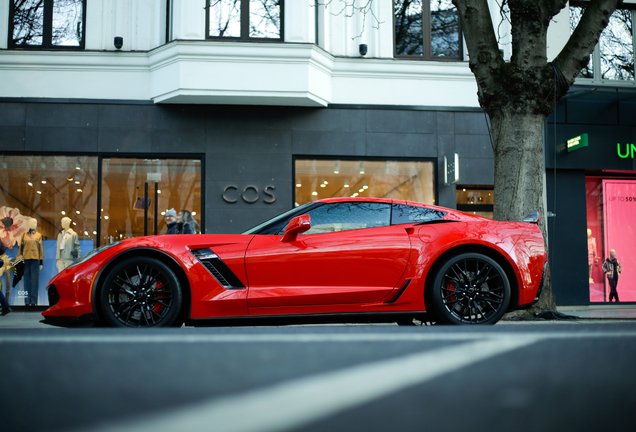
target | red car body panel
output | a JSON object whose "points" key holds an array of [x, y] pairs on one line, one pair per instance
{"points": [[382, 269], [330, 268]]}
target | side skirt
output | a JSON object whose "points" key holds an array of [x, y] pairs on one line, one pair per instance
{"points": [[277, 320]]}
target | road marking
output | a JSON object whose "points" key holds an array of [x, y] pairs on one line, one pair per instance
{"points": [[296, 403], [150, 337]]}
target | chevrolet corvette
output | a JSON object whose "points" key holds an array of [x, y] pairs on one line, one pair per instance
{"points": [[331, 260]]}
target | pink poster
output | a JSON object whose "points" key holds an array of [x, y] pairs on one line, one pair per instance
{"points": [[619, 204]]}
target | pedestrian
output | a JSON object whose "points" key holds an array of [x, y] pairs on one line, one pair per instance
{"points": [[612, 268], [4, 304], [186, 223], [170, 217]]}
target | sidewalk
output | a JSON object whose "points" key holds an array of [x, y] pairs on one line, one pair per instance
{"points": [[618, 311]]}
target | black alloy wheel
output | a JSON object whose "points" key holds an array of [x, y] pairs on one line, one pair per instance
{"points": [[470, 288], [141, 292]]}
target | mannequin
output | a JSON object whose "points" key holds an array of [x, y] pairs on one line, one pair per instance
{"points": [[32, 250], [68, 247], [592, 254]]}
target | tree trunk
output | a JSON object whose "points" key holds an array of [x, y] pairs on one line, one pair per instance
{"points": [[520, 178], [519, 175]]}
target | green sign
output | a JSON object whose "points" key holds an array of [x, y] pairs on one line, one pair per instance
{"points": [[577, 142], [630, 150]]}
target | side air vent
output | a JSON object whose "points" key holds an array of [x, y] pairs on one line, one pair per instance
{"points": [[218, 269]]}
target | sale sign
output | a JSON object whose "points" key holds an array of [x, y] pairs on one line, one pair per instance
{"points": [[619, 210]]}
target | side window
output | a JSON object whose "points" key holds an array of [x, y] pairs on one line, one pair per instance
{"points": [[348, 216], [405, 214], [46, 24]]}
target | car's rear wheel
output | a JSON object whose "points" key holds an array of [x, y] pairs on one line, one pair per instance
{"points": [[141, 292], [470, 288]]}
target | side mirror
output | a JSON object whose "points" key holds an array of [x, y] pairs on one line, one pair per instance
{"points": [[296, 226]]}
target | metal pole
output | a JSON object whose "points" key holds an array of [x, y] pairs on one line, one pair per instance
{"points": [[146, 208], [156, 205]]}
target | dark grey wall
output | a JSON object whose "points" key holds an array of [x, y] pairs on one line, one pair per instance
{"points": [[249, 145]]}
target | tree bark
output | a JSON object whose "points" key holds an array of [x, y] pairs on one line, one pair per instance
{"points": [[519, 173]]}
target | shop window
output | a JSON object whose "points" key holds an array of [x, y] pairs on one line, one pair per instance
{"points": [[51, 188], [613, 56], [46, 24], [427, 29], [611, 222], [400, 180], [172, 183], [244, 19], [477, 200], [47, 189]]}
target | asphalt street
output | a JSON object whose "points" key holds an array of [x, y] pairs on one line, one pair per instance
{"points": [[555, 376]]}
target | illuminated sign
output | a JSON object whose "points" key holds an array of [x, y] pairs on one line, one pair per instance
{"points": [[577, 142], [630, 150]]}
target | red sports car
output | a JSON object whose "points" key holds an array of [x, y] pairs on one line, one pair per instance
{"points": [[332, 260]]}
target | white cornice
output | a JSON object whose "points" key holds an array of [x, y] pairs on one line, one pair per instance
{"points": [[235, 73]]}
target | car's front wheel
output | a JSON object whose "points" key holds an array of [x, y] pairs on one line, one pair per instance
{"points": [[470, 288], [141, 292]]}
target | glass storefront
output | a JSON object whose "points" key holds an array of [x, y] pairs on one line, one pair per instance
{"points": [[43, 190], [611, 226], [478, 200], [400, 180], [176, 183]]}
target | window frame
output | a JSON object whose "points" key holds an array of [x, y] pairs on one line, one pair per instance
{"points": [[427, 38], [595, 57], [245, 25], [47, 31]]}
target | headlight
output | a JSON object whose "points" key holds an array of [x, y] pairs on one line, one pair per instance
{"points": [[94, 252]]}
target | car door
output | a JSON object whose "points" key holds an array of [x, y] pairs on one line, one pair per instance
{"points": [[351, 254]]}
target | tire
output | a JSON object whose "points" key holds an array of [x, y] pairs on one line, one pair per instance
{"points": [[470, 288], [141, 292]]}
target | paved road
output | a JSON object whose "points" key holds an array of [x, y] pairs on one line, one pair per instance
{"points": [[521, 377]]}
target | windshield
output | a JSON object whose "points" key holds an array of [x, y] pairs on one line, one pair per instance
{"points": [[280, 218]]}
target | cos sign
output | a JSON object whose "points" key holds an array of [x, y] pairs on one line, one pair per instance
{"points": [[250, 194]]}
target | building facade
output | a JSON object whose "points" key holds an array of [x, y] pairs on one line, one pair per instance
{"points": [[113, 111]]}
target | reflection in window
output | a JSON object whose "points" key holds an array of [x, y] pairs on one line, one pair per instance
{"points": [[225, 18], [402, 180], [427, 28], [47, 23], [265, 19], [244, 19], [406, 214], [348, 216], [575, 16], [614, 54], [617, 47], [67, 22]]}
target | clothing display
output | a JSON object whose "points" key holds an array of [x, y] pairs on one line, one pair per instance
{"points": [[32, 251], [31, 247], [31, 281], [68, 248], [591, 250]]}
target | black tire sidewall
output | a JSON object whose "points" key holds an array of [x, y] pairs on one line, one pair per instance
{"points": [[175, 307], [434, 295]]}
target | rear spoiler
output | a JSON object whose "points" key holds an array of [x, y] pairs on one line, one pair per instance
{"points": [[533, 217]]}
